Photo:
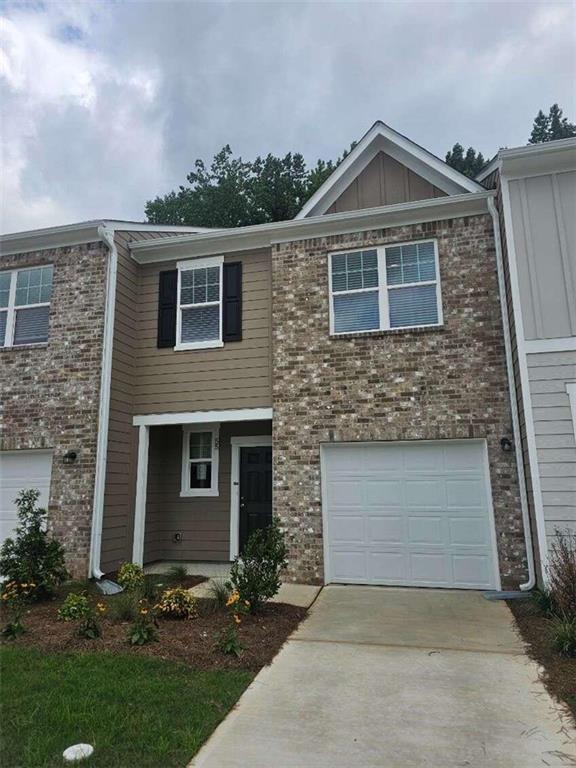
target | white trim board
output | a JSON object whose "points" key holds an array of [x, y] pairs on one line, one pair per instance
{"points": [[567, 344], [571, 389], [382, 138], [236, 443], [203, 417]]}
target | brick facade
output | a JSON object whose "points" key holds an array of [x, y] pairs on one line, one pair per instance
{"points": [[448, 382], [50, 393]]}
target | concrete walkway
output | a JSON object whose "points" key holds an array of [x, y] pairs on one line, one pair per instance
{"points": [[396, 678]]}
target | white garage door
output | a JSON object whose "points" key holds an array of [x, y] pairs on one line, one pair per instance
{"points": [[416, 514], [21, 470]]}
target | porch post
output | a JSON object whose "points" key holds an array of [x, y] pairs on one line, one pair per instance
{"points": [[141, 485]]}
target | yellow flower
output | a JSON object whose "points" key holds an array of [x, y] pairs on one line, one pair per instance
{"points": [[237, 618], [143, 611]]}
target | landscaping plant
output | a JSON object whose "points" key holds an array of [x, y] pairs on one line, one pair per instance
{"points": [[143, 630], [32, 556], [15, 596], [255, 574], [177, 603], [219, 592], [78, 608], [229, 642], [562, 574], [564, 636], [176, 574], [131, 577]]}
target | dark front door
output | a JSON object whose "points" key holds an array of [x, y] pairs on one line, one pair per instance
{"points": [[255, 490]]}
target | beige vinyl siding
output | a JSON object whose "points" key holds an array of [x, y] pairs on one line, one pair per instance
{"points": [[555, 442], [146, 379], [384, 181], [545, 243], [235, 376], [203, 522]]}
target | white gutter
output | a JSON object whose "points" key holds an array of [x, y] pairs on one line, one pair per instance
{"points": [[106, 234], [513, 402]]}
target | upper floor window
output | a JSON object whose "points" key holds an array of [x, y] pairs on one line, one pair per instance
{"points": [[25, 296], [199, 315], [385, 288]]}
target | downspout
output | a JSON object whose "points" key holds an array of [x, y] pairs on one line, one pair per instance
{"points": [[107, 236], [530, 584]]}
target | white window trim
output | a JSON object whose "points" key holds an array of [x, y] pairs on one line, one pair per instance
{"points": [[383, 289], [11, 309], [571, 389], [182, 266], [185, 489]]}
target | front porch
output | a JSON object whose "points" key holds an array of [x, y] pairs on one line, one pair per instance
{"points": [[204, 483]]}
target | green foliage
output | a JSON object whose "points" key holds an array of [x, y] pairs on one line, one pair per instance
{"points": [[131, 577], [77, 607], [470, 164], [543, 601], [219, 592], [551, 127], [33, 556], [74, 607], [564, 636], [228, 642], [233, 192], [255, 575], [14, 597], [177, 603], [143, 629], [176, 574], [123, 607], [562, 574]]}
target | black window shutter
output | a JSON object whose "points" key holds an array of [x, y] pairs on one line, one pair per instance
{"points": [[232, 297], [167, 300]]}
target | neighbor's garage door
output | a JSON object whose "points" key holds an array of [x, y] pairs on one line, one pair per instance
{"points": [[21, 470], [416, 514]]}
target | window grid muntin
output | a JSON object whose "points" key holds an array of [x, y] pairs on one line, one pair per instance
{"points": [[9, 281], [384, 289], [210, 275], [208, 438]]}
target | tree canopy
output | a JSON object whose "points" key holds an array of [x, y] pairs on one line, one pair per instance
{"points": [[551, 127], [232, 192]]}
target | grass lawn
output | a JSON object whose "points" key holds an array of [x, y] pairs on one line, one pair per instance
{"points": [[135, 710]]}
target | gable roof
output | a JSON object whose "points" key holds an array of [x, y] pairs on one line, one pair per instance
{"points": [[382, 138]]}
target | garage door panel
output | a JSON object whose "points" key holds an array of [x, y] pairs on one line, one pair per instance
{"points": [[21, 470], [422, 519], [426, 530], [383, 493], [469, 531], [385, 528], [428, 494], [465, 493], [347, 529]]}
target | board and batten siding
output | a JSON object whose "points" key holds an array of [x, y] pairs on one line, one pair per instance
{"points": [[384, 181], [146, 379], [554, 428], [544, 228]]}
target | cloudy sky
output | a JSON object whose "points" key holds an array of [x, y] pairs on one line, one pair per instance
{"points": [[105, 104]]}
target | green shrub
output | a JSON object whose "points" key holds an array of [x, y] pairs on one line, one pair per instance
{"points": [[131, 577], [255, 575], [152, 587], [123, 607], [562, 574], [177, 603], [564, 636], [543, 601], [33, 556], [74, 607]]}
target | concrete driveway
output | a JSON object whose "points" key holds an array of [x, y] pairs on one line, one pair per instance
{"points": [[385, 677]]}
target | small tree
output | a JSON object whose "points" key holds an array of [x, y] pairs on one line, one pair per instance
{"points": [[33, 556], [551, 127], [255, 575]]}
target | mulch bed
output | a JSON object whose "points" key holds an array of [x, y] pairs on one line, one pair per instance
{"points": [[191, 641], [559, 674]]}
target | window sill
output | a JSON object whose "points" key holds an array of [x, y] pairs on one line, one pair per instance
{"points": [[200, 493], [33, 345], [199, 345], [415, 329]]}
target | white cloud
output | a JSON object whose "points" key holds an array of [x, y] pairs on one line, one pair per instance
{"points": [[107, 104]]}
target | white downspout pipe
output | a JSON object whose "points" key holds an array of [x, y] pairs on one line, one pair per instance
{"points": [[530, 584], [107, 236]]}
